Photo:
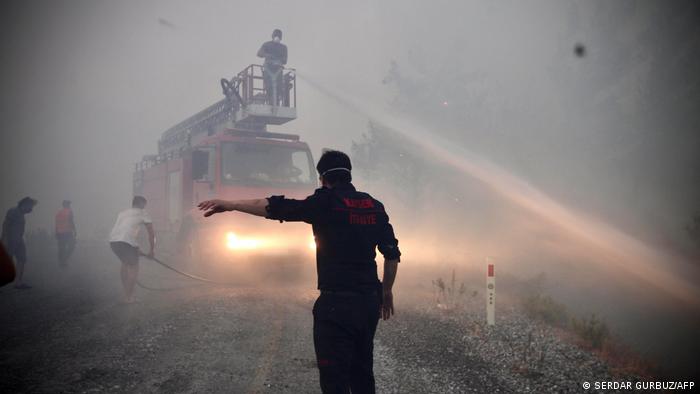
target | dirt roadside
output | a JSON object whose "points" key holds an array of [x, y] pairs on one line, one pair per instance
{"points": [[71, 334]]}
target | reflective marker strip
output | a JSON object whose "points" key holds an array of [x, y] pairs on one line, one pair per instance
{"points": [[491, 296]]}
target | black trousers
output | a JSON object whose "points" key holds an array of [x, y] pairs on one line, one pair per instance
{"points": [[344, 327]]}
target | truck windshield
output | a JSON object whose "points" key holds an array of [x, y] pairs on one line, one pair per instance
{"points": [[265, 163]]}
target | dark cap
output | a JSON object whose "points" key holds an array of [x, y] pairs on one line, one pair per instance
{"points": [[333, 160]]}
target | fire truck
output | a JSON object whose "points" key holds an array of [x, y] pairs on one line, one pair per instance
{"points": [[226, 151]]}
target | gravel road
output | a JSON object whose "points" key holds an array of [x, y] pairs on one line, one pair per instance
{"points": [[71, 334]]}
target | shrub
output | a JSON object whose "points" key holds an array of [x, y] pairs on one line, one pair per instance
{"points": [[448, 295], [544, 308], [592, 330]]}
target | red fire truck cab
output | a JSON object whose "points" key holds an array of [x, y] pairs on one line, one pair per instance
{"points": [[225, 151]]}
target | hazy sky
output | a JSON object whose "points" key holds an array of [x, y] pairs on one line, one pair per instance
{"points": [[88, 87]]}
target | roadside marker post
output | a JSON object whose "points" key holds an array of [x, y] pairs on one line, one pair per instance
{"points": [[491, 296]]}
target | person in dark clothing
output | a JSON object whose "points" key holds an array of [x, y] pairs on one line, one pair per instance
{"points": [[275, 55], [65, 233], [13, 236], [348, 226]]}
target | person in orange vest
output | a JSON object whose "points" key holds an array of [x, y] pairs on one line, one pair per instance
{"points": [[65, 233]]}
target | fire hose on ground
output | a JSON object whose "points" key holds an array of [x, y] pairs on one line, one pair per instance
{"points": [[185, 274]]}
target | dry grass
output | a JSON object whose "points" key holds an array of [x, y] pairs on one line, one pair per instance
{"points": [[591, 333], [592, 330], [544, 308], [625, 361]]}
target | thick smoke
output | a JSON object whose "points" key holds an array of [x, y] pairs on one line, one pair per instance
{"points": [[591, 106]]}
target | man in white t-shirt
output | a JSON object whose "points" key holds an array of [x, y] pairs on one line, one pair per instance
{"points": [[124, 242]]}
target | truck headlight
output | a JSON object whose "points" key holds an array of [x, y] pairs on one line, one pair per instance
{"points": [[234, 242]]}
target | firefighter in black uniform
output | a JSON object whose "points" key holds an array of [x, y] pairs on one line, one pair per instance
{"points": [[348, 226]]}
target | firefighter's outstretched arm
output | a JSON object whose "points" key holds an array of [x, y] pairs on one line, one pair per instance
{"points": [[257, 207]]}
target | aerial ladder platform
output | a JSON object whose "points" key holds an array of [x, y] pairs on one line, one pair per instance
{"points": [[247, 106]]}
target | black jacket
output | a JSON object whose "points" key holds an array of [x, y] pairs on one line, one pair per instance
{"points": [[348, 226]]}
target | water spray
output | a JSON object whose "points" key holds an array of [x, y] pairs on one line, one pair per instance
{"points": [[614, 246]]}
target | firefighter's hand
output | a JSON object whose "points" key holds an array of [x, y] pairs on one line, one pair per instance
{"points": [[387, 308], [214, 206]]}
